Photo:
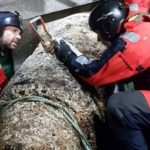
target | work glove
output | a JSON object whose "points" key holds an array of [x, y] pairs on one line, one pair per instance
{"points": [[63, 49]]}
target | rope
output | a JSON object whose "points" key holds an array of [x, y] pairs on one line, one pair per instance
{"points": [[7, 104]]}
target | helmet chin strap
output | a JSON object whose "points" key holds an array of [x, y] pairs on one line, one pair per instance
{"points": [[19, 16], [107, 43], [1, 31]]}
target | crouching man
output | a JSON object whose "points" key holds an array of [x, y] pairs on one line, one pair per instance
{"points": [[10, 35]]}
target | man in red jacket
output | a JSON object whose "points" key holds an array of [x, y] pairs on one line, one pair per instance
{"points": [[10, 35], [128, 56]]}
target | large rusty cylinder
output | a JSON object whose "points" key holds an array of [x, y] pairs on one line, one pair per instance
{"points": [[37, 126]]}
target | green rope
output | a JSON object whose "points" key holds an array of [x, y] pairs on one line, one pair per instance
{"points": [[7, 104]]}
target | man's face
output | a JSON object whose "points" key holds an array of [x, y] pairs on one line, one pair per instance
{"points": [[11, 37]]}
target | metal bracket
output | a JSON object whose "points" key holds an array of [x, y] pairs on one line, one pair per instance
{"points": [[44, 37]]}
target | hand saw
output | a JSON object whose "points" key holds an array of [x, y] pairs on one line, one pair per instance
{"points": [[47, 41]]}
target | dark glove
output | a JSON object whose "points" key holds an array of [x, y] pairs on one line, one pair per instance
{"points": [[62, 50]]}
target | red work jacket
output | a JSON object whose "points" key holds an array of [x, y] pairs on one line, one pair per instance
{"points": [[3, 79], [133, 60], [141, 3], [144, 3], [137, 6], [6, 66]]}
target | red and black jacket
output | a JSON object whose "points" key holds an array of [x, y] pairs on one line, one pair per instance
{"points": [[128, 56], [6, 66]]}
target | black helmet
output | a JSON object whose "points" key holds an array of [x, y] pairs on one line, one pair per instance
{"points": [[108, 17], [8, 18]]}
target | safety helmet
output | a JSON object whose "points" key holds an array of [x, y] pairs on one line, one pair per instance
{"points": [[10, 19], [108, 17]]}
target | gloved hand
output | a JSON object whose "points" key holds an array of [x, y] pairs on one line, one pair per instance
{"points": [[62, 50]]}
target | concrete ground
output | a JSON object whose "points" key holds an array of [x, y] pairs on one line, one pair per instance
{"points": [[31, 8]]}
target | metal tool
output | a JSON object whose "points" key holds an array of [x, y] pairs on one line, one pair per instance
{"points": [[47, 41]]}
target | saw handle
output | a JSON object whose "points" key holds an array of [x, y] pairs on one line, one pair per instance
{"points": [[39, 18], [45, 38]]}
